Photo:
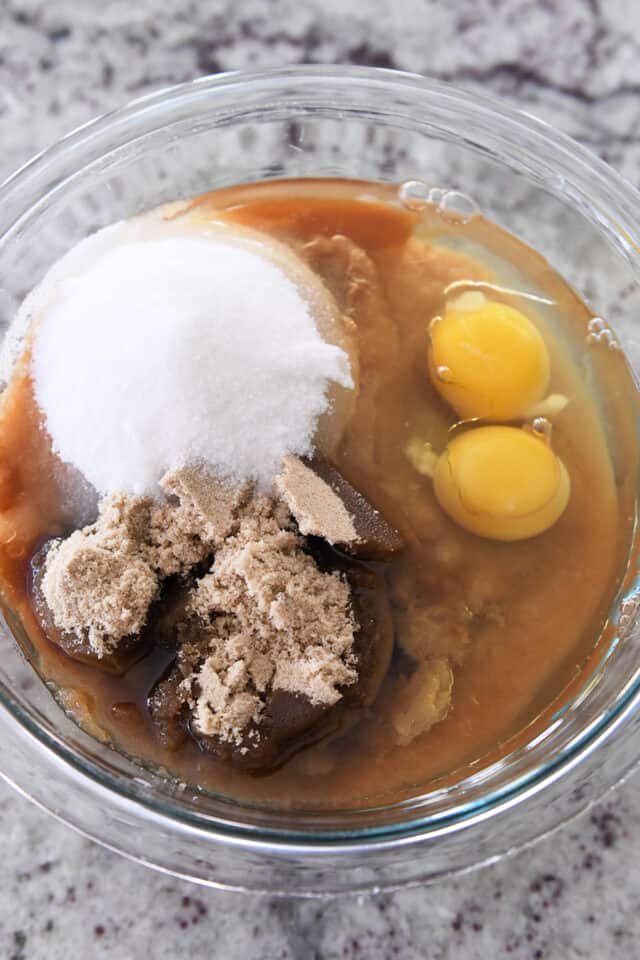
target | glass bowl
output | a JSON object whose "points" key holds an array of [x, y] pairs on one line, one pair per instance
{"points": [[355, 123]]}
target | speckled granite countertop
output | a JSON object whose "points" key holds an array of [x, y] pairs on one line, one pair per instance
{"points": [[575, 63]]}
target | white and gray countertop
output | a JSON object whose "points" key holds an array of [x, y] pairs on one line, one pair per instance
{"points": [[575, 63]]}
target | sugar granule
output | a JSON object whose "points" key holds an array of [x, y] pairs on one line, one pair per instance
{"points": [[177, 350]]}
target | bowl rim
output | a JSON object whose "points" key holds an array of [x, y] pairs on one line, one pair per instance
{"points": [[305, 74], [617, 195]]}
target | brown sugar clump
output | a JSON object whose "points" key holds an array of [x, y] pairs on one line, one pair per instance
{"points": [[274, 622], [266, 618], [211, 503], [122, 523], [100, 582], [185, 531], [326, 505], [97, 591], [319, 511]]}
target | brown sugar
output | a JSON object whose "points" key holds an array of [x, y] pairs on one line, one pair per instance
{"points": [[274, 622], [211, 503], [318, 510], [100, 582], [186, 530], [269, 619], [326, 505], [97, 591]]}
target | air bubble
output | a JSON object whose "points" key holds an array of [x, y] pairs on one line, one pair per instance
{"points": [[452, 205], [628, 618], [456, 207], [600, 333], [414, 194], [444, 374], [541, 427]]}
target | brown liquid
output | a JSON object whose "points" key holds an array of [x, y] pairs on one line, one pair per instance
{"points": [[505, 614]]}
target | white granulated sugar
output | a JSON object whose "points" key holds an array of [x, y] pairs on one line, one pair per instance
{"points": [[176, 350]]}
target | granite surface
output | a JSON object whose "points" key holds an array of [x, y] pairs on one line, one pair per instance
{"points": [[575, 63]]}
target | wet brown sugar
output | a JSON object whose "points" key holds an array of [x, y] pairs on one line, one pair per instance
{"points": [[485, 638]]}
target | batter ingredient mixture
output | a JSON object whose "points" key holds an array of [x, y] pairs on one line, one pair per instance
{"points": [[298, 482]]}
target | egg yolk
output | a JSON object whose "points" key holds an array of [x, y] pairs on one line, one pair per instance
{"points": [[503, 483], [487, 359]]}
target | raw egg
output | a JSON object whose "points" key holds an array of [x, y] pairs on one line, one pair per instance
{"points": [[487, 359], [500, 482]]}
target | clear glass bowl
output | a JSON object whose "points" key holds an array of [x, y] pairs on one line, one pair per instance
{"points": [[357, 123]]}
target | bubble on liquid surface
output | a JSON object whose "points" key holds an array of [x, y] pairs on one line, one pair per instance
{"points": [[457, 207], [414, 194], [628, 616], [599, 333], [452, 205]]}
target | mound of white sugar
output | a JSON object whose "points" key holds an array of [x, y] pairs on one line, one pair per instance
{"points": [[180, 349]]}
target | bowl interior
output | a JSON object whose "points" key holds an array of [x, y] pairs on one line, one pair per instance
{"points": [[356, 124]]}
